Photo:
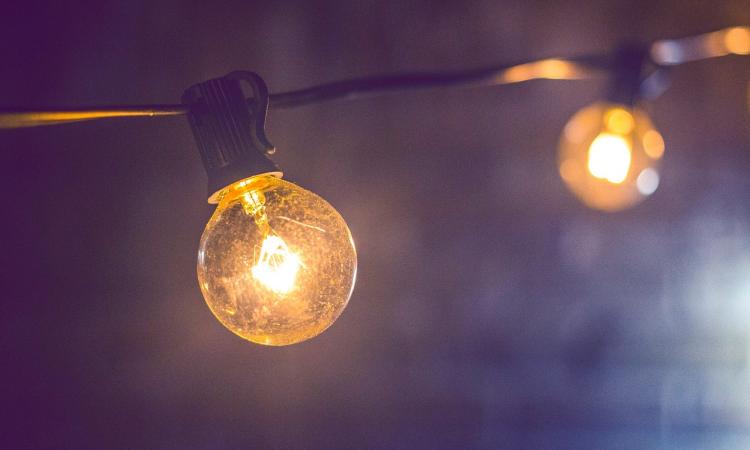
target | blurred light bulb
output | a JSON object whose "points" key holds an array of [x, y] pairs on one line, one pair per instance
{"points": [[609, 156], [276, 263]]}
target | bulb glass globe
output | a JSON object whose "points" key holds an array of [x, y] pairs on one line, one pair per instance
{"points": [[276, 263], [609, 156]]}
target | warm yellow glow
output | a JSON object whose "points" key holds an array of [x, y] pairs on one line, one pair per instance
{"points": [[653, 144], [609, 155], [553, 69], [252, 202], [276, 263], [609, 158], [734, 40], [712, 44], [276, 267], [737, 40], [619, 121], [568, 170]]}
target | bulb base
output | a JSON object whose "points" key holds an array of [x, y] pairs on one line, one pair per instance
{"points": [[227, 116], [630, 63]]}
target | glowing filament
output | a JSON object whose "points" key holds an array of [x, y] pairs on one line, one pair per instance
{"points": [[277, 266], [609, 158]]}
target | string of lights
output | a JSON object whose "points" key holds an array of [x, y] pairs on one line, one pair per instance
{"points": [[663, 53], [277, 263], [553, 68]]}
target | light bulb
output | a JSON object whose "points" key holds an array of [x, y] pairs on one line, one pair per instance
{"points": [[276, 263], [609, 156]]}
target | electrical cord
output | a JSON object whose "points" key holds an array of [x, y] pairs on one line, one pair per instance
{"points": [[663, 53]]}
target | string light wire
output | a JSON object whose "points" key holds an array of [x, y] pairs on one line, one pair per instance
{"points": [[663, 53]]}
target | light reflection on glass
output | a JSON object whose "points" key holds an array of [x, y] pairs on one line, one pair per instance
{"points": [[648, 181], [653, 144], [737, 40], [552, 69], [730, 41]]}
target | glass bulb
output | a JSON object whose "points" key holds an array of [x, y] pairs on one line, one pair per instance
{"points": [[609, 156], [276, 262]]}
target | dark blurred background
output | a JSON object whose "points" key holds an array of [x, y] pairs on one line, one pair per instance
{"points": [[492, 309]]}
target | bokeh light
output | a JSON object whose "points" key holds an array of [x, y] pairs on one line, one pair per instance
{"points": [[609, 155]]}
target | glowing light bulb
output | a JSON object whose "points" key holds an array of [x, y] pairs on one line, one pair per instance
{"points": [[609, 156], [277, 266], [276, 263]]}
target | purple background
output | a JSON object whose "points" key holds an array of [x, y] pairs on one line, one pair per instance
{"points": [[491, 308]]}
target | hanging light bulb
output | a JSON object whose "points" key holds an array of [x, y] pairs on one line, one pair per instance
{"points": [[276, 263], [609, 156]]}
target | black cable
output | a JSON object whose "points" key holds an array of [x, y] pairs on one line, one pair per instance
{"points": [[734, 40], [569, 68]]}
